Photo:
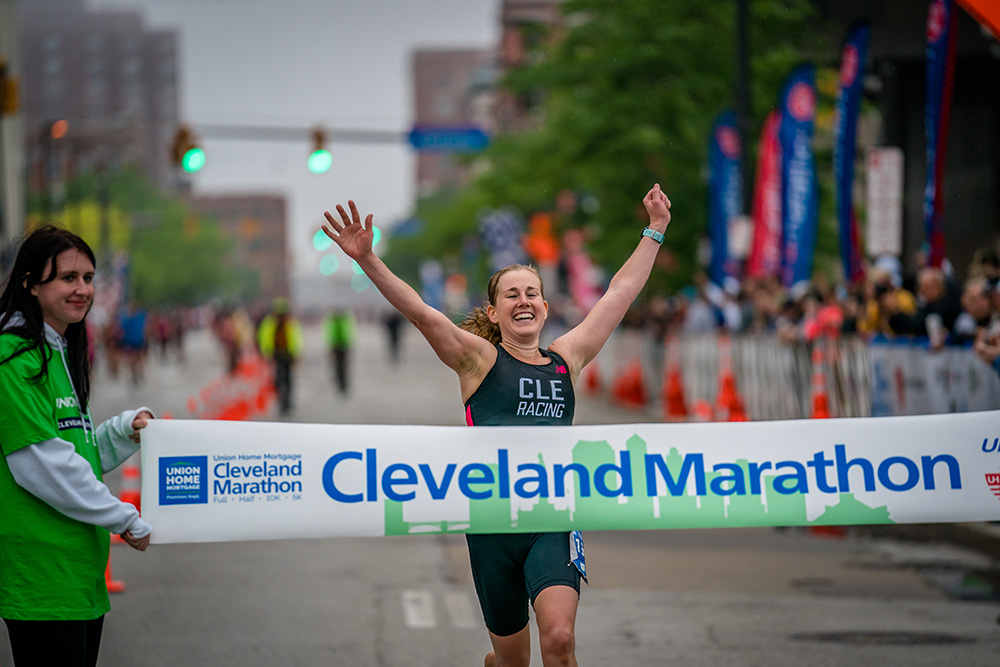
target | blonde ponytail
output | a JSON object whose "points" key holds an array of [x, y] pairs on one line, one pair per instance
{"points": [[479, 323]]}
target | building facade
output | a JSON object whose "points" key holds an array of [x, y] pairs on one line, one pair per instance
{"points": [[114, 82], [451, 88], [258, 223]]}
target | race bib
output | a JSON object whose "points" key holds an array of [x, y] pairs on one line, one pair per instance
{"points": [[576, 557]]}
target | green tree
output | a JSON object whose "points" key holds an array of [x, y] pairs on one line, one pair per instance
{"points": [[175, 256], [626, 93]]}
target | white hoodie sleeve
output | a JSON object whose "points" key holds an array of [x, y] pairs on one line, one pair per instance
{"points": [[114, 441], [52, 471]]}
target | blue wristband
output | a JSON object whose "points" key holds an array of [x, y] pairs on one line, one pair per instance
{"points": [[653, 234]]}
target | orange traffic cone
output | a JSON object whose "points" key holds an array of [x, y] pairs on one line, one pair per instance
{"points": [[736, 411], [130, 493], [674, 405], [701, 411], [238, 410], [114, 585], [629, 388], [591, 379], [726, 395], [728, 402], [131, 486], [821, 402], [674, 408]]}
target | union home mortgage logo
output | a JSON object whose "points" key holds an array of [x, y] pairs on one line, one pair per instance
{"points": [[183, 480], [993, 481]]}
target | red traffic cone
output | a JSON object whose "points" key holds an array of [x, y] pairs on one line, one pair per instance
{"points": [[114, 585], [736, 411], [131, 486], [821, 401], [130, 493], [674, 407], [237, 410], [728, 402], [591, 379], [629, 388], [701, 411], [674, 403], [726, 395]]}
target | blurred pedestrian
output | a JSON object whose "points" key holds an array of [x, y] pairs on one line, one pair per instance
{"points": [[340, 330], [57, 512], [159, 326], [822, 315], [134, 342], [235, 333], [885, 298], [393, 323], [987, 346], [939, 306], [986, 263], [177, 330], [977, 310], [279, 337], [493, 352], [111, 337]]}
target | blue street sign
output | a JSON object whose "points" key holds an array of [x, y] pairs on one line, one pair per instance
{"points": [[448, 139]]}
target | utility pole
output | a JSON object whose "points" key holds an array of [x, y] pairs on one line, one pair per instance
{"points": [[11, 135]]}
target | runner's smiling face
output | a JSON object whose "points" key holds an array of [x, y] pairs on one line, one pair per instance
{"points": [[67, 297], [520, 309]]}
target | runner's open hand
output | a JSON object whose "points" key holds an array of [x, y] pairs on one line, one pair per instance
{"points": [[354, 238]]}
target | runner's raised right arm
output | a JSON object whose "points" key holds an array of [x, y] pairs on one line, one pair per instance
{"points": [[463, 352]]}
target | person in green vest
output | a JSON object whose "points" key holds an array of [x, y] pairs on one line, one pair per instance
{"points": [[57, 514], [340, 330], [279, 337]]}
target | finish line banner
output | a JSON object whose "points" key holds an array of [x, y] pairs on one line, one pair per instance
{"points": [[211, 481]]}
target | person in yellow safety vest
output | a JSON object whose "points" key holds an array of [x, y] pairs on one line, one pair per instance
{"points": [[279, 338], [340, 328]]}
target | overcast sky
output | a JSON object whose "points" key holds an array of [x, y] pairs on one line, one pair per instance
{"points": [[340, 63]]}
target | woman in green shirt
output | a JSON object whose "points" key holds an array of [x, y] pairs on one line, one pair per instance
{"points": [[57, 512]]}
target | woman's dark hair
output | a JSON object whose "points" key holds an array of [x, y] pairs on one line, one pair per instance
{"points": [[478, 322], [35, 264]]}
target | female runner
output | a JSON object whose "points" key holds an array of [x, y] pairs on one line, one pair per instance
{"points": [[491, 352]]}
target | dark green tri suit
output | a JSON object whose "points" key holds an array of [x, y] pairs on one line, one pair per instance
{"points": [[510, 569]]}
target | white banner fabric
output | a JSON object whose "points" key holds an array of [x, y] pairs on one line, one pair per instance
{"points": [[208, 481]]}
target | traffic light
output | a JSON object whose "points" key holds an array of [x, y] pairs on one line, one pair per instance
{"points": [[9, 102], [58, 129], [320, 160], [185, 151]]}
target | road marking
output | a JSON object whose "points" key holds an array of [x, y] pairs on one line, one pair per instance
{"points": [[418, 609], [460, 609]]}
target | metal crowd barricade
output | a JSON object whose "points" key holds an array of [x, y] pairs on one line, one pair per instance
{"points": [[777, 380]]}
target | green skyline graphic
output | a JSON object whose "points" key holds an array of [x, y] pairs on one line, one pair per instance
{"points": [[638, 512]]}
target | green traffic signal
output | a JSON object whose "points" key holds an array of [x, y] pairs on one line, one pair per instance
{"points": [[193, 160], [320, 161]]}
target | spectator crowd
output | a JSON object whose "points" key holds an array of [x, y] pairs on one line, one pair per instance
{"points": [[927, 305]]}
